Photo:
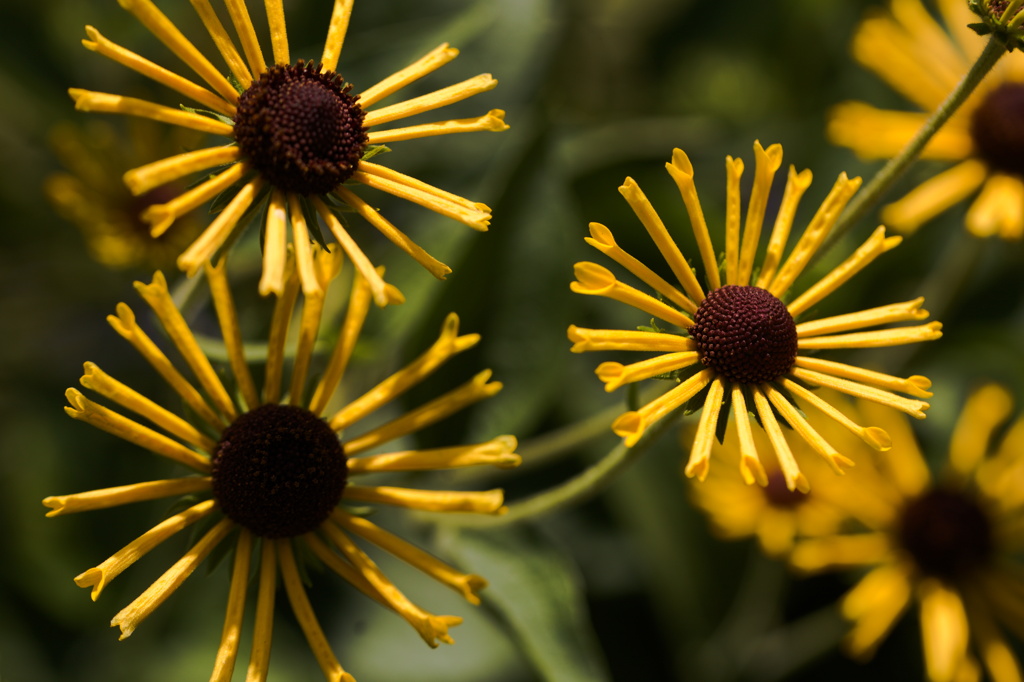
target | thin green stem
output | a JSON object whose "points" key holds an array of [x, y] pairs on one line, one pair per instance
{"points": [[583, 486], [883, 180]]}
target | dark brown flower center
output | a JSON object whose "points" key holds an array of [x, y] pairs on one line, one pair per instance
{"points": [[745, 334], [779, 495], [997, 127], [299, 127], [946, 533], [279, 471]]}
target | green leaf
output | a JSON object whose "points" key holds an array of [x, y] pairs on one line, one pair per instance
{"points": [[537, 592]]}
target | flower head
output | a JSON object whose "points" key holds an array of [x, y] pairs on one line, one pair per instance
{"points": [[949, 543], [924, 62], [300, 137], [271, 468], [748, 346]]}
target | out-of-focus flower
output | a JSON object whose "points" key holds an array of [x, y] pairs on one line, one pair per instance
{"points": [[948, 544], [90, 194], [299, 139], [984, 138], [753, 352], [272, 470]]}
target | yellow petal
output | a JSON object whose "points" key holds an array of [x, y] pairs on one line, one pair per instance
{"points": [[944, 630], [700, 452], [474, 215], [881, 338], [894, 312], [733, 173], [336, 31], [681, 171], [934, 196], [223, 42], [915, 408], [874, 133], [795, 479], [796, 185], [213, 237], [143, 179], [493, 121], [499, 452], [435, 100], [985, 410], [227, 317], [751, 468], [102, 102], [872, 435], [806, 431], [875, 604], [125, 494], [767, 163], [275, 245], [595, 280], [840, 551], [999, 209], [619, 339], [278, 31], [426, 64], [632, 425], [227, 652], [916, 385], [615, 374], [477, 502], [259, 657], [247, 34]]}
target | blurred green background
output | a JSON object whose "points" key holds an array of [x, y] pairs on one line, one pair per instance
{"points": [[628, 586]]}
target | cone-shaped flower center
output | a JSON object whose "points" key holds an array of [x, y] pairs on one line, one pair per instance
{"points": [[946, 533], [279, 471], [997, 127], [300, 128], [745, 334]]}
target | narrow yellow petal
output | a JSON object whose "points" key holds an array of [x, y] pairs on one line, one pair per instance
{"points": [[124, 323], [213, 237], [431, 628], [396, 236], [343, 568], [894, 312], [130, 616], [620, 339], [141, 180], [227, 317], [473, 216], [259, 657], [915, 408], [302, 248], [97, 380], [466, 584], [493, 120], [841, 551], [795, 479], [596, 280], [881, 338], [767, 164], [434, 100], [700, 452], [396, 178], [278, 31], [275, 245], [355, 315], [874, 604], [162, 216], [159, 299], [99, 577], [447, 345], [474, 501], [426, 64], [872, 248], [796, 185], [999, 209], [336, 33], [934, 196], [916, 385], [279, 322], [303, 611], [125, 494], [998, 656], [681, 171], [99, 44], [127, 429], [601, 238], [814, 234], [167, 33], [733, 172], [499, 452], [906, 469], [355, 254], [659, 234], [615, 374], [309, 326], [632, 425], [944, 630], [874, 133], [227, 652], [474, 390], [239, 14], [796, 420], [872, 435], [102, 102], [222, 40], [985, 410], [751, 468]]}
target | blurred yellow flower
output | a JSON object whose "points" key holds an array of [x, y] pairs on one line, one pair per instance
{"points": [[297, 140], [272, 470], [923, 61], [751, 348], [948, 543]]}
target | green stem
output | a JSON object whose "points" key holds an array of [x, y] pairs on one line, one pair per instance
{"points": [[583, 486], [897, 165]]}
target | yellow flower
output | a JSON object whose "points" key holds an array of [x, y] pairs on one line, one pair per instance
{"points": [[271, 468], [90, 193], [751, 348], [916, 56], [948, 544], [298, 140], [774, 514]]}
